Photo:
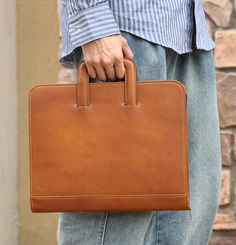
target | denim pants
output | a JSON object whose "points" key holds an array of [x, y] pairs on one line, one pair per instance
{"points": [[196, 71]]}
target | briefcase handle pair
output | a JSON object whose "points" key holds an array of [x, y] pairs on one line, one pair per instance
{"points": [[130, 87]]}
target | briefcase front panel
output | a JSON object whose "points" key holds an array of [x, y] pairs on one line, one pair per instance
{"points": [[109, 156]]}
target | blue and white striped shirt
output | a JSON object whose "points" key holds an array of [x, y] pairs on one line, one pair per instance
{"points": [[169, 23]]}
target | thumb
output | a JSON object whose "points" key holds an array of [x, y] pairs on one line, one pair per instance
{"points": [[127, 52]]}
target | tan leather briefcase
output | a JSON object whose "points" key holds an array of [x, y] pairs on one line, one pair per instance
{"points": [[109, 146]]}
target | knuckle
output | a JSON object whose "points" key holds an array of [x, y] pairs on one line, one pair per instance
{"points": [[96, 61], [118, 59], [107, 62], [87, 61]]}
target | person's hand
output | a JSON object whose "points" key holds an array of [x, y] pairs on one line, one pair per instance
{"points": [[104, 57]]}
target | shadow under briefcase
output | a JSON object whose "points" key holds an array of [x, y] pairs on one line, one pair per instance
{"points": [[109, 146]]}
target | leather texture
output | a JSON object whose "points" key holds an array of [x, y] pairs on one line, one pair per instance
{"points": [[109, 146]]}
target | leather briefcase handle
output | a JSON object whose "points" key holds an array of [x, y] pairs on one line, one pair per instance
{"points": [[130, 86]]}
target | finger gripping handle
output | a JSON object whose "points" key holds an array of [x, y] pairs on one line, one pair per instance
{"points": [[130, 86]]}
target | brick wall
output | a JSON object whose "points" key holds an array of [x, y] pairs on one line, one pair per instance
{"points": [[221, 19]]}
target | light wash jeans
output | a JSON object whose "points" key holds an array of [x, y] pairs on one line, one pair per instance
{"points": [[197, 72]]}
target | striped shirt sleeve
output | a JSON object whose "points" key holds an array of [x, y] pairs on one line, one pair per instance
{"points": [[90, 20]]}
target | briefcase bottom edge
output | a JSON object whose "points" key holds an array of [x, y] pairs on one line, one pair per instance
{"points": [[110, 203]]}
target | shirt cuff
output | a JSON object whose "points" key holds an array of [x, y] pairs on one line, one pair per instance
{"points": [[92, 23]]}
